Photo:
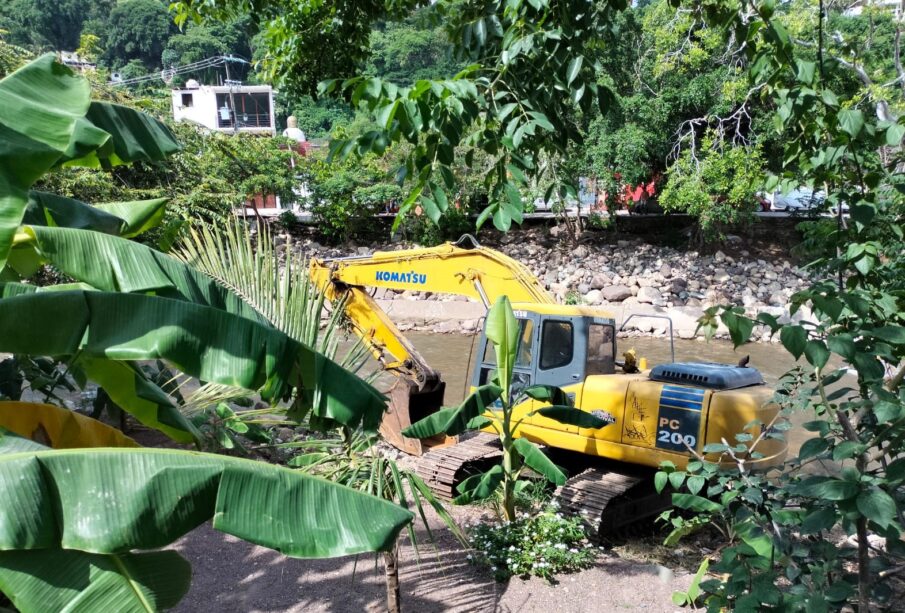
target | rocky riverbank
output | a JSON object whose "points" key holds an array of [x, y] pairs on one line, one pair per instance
{"points": [[624, 277]]}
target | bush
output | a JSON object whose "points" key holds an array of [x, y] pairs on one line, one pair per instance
{"points": [[542, 545], [453, 224]]}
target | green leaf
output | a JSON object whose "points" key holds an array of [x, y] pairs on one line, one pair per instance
{"points": [[574, 69], [660, 480], [210, 344], [162, 494], [40, 105], [819, 520], [138, 216], [891, 334], [851, 121], [805, 71], [739, 326], [573, 417], [812, 447], [547, 393], [69, 580], [877, 506], [842, 344], [134, 137], [538, 460], [695, 483], [824, 488], [698, 504], [502, 329], [51, 210], [794, 339], [455, 420], [894, 134], [480, 487], [816, 353], [111, 263]]}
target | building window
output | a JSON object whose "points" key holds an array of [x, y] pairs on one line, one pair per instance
{"points": [[188, 100]]}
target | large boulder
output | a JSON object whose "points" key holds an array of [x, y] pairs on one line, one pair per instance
{"points": [[599, 281], [650, 295], [593, 296], [615, 293]]}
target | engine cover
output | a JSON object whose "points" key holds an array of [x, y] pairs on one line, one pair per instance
{"points": [[707, 374]]}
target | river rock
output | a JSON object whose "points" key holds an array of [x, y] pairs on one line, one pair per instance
{"points": [[650, 295], [615, 293], [720, 275], [677, 286], [593, 296], [599, 281]]}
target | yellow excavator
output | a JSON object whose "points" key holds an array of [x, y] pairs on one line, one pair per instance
{"points": [[653, 416]]}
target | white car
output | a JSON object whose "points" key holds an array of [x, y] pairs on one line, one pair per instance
{"points": [[798, 200]]}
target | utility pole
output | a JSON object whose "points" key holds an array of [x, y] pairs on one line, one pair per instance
{"points": [[232, 100]]}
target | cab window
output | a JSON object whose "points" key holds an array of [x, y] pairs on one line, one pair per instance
{"points": [[525, 346], [601, 350], [557, 344]]}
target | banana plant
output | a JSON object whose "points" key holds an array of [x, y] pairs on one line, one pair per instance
{"points": [[61, 549], [493, 406], [196, 322]]}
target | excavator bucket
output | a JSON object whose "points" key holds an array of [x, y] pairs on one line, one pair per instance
{"points": [[409, 404]]}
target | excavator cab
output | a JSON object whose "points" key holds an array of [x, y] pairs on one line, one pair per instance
{"points": [[558, 345]]}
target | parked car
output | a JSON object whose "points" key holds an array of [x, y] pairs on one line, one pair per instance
{"points": [[799, 200]]}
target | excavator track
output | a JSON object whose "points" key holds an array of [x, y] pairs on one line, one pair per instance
{"points": [[609, 501], [444, 468]]}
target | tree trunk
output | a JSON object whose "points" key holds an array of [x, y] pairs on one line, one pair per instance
{"points": [[391, 566]]}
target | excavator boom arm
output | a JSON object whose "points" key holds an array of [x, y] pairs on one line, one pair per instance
{"points": [[473, 271]]}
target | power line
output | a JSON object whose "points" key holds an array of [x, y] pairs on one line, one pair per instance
{"points": [[204, 64]]}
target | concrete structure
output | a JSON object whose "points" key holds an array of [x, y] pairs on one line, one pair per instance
{"points": [[212, 107]]}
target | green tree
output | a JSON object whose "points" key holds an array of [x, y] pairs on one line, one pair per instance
{"points": [[137, 30], [43, 25]]}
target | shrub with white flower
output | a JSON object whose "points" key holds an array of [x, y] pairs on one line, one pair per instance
{"points": [[543, 544]]}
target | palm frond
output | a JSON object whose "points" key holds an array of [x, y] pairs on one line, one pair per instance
{"points": [[274, 282]]}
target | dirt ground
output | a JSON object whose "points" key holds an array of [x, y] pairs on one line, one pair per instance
{"points": [[232, 575]]}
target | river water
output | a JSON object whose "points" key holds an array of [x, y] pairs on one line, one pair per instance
{"points": [[451, 355]]}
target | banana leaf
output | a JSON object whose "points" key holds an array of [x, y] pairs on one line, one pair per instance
{"points": [[126, 219], [134, 137], [115, 264], [51, 210], [480, 486], [111, 500], [128, 387], [455, 420], [115, 500], [68, 580], [502, 330], [59, 428], [138, 216], [538, 460], [573, 417], [203, 342], [40, 105]]}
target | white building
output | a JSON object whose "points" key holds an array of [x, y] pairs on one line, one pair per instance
{"points": [[212, 107]]}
